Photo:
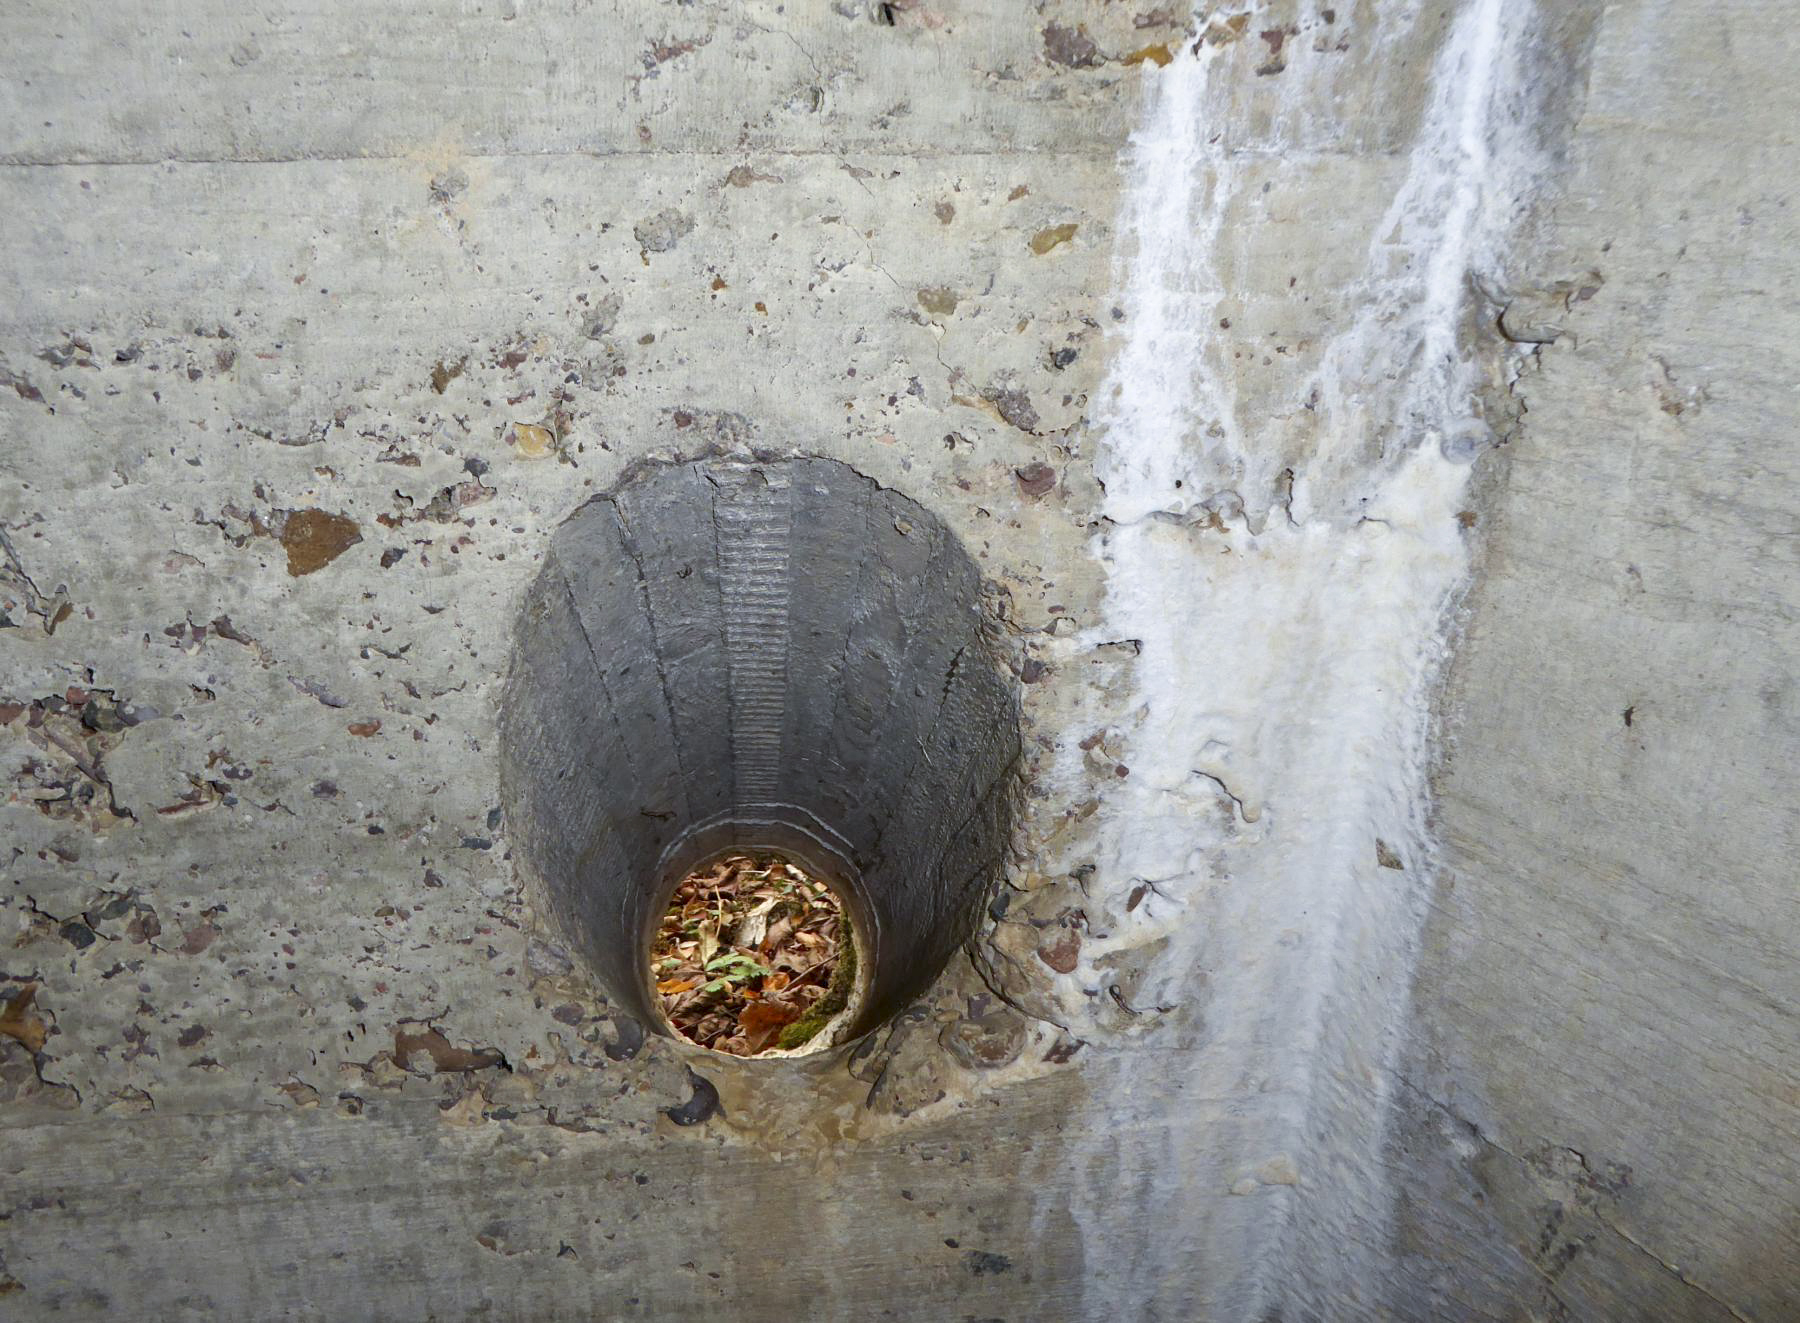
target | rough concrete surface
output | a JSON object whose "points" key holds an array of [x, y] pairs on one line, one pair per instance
{"points": [[323, 321], [1600, 1115]]}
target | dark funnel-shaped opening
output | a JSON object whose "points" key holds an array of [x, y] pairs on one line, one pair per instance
{"points": [[774, 655]]}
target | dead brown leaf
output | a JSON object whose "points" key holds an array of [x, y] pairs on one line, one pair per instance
{"points": [[763, 1021], [18, 1022]]}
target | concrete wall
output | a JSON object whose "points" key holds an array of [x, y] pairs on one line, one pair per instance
{"points": [[345, 260], [1598, 1114], [325, 319]]}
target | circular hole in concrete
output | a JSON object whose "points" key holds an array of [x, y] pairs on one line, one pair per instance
{"points": [[756, 954], [759, 656]]}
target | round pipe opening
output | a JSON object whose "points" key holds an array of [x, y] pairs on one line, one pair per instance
{"points": [[762, 656], [739, 976]]}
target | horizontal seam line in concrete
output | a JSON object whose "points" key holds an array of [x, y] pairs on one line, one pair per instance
{"points": [[1100, 151]]}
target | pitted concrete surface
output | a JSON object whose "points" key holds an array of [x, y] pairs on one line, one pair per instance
{"points": [[323, 322]]}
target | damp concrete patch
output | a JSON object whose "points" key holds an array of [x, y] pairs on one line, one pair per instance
{"points": [[777, 655]]}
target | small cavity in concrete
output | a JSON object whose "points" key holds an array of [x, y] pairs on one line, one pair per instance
{"points": [[759, 656]]}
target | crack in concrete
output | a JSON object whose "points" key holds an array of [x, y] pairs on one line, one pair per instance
{"points": [[52, 610], [1247, 815], [1672, 1269], [1595, 1209], [987, 948], [628, 540], [805, 54]]}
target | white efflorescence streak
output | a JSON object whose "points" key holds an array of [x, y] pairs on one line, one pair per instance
{"points": [[1268, 852]]}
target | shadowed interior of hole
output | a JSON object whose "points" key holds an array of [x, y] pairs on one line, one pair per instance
{"points": [[778, 655]]}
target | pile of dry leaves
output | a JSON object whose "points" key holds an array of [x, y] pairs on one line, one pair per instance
{"points": [[747, 958]]}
